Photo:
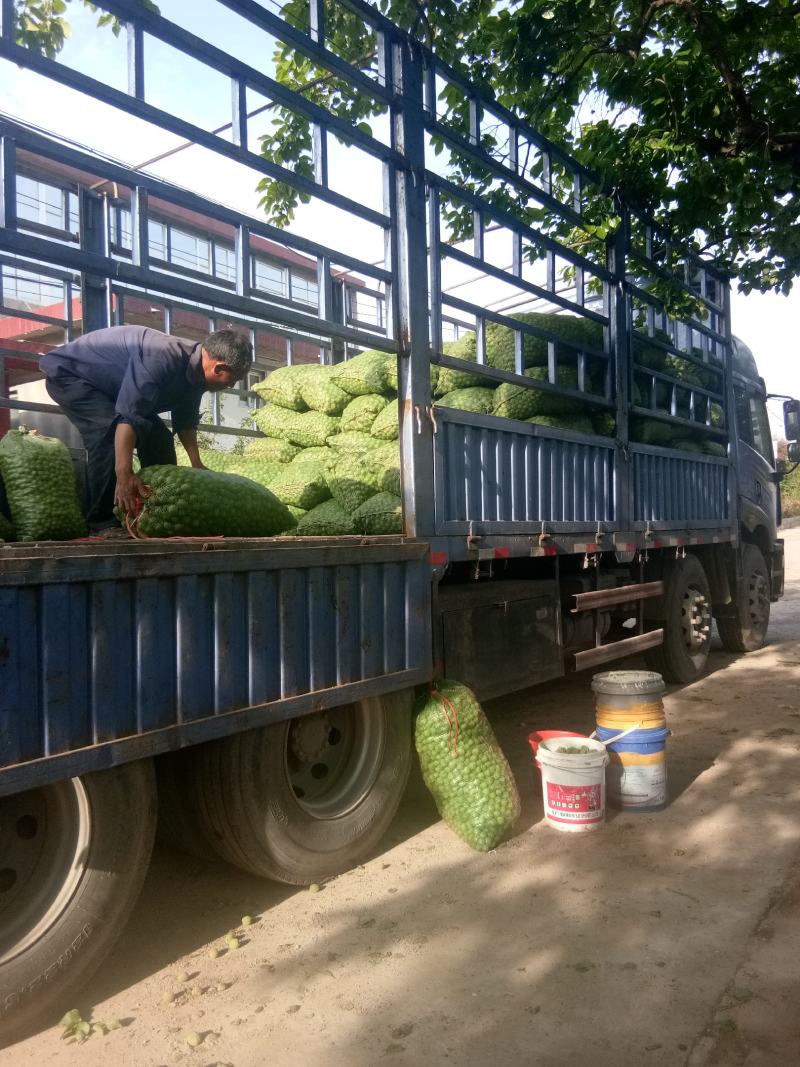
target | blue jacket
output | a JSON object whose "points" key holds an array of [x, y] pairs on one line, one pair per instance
{"points": [[145, 372]]}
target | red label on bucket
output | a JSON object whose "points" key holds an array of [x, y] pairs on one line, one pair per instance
{"points": [[574, 801]]}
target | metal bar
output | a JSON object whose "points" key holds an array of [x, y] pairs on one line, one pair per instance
{"points": [[135, 61], [625, 594], [529, 383], [180, 197], [244, 276], [140, 248], [416, 429], [8, 182], [593, 657], [85, 84], [94, 293], [239, 112]]}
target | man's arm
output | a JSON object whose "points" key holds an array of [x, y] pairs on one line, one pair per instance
{"points": [[130, 490], [188, 438]]}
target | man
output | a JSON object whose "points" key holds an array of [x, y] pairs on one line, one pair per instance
{"points": [[112, 384]]}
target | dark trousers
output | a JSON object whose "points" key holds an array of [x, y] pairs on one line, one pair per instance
{"points": [[92, 414]]}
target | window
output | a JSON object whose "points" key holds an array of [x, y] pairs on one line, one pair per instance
{"points": [[157, 239], [189, 250], [753, 423], [270, 278], [305, 289], [253, 378], [120, 229], [366, 307], [224, 262], [47, 205], [31, 292]]}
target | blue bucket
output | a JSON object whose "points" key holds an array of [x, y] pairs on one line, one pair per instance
{"points": [[636, 777]]}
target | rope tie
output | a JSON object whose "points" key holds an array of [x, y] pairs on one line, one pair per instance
{"points": [[450, 713]]}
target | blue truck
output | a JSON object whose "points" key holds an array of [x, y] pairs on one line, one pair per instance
{"points": [[257, 695]]}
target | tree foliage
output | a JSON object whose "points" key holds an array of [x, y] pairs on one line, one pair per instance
{"points": [[690, 108]]}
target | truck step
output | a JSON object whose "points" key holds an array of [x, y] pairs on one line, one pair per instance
{"points": [[592, 657], [623, 594]]}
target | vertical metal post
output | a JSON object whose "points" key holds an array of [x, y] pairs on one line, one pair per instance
{"points": [[244, 275], [7, 21], [416, 427], [139, 228], [239, 112], [135, 61], [95, 291], [733, 488], [620, 350], [8, 184], [338, 313], [435, 267]]}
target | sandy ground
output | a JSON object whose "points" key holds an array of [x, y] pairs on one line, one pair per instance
{"points": [[666, 939]]}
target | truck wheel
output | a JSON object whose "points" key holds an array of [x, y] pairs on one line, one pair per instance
{"points": [[304, 800], [73, 856], [686, 623], [747, 630]]}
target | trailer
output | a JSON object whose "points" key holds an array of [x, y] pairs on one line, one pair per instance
{"points": [[259, 693]]}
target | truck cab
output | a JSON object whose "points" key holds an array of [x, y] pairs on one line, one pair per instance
{"points": [[758, 480]]}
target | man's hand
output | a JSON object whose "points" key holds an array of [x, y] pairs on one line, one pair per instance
{"points": [[129, 493]]}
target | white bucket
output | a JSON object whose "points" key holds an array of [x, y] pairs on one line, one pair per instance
{"points": [[573, 786]]}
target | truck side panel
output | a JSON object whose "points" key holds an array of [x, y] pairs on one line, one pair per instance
{"points": [[179, 647]]}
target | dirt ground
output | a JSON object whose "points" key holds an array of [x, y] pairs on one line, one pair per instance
{"points": [[666, 939]]}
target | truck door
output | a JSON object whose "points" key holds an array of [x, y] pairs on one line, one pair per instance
{"points": [[758, 489]]}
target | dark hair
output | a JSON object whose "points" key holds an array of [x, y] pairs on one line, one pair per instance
{"points": [[230, 348]]}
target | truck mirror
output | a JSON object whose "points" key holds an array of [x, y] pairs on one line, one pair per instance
{"points": [[791, 419], [793, 452]]}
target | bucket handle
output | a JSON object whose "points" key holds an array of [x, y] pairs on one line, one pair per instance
{"points": [[611, 740]]}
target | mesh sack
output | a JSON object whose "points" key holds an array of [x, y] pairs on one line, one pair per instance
{"points": [[282, 386], [366, 373], [307, 429], [448, 379], [263, 471], [361, 412], [302, 485], [271, 448], [353, 442], [393, 381], [500, 340], [320, 393], [464, 767], [578, 423], [387, 459], [184, 502], [318, 454], [476, 398], [386, 426], [604, 424], [40, 486], [328, 519], [353, 479], [381, 514], [516, 402]]}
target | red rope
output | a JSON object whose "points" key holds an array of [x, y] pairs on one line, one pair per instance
{"points": [[451, 716]]}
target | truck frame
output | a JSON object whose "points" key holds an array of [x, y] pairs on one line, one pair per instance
{"points": [[263, 689]]}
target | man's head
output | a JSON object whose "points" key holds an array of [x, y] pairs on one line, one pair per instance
{"points": [[227, 357]]}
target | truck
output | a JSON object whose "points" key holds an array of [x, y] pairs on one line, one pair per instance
{"points": [[255, 696]]}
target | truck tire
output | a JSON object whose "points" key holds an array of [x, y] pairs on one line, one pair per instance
{"points": [[747, 630], [304, 800], [73, 856], [686, 620]]}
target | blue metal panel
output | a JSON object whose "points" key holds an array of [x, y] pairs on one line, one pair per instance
{"points": [[682, 489], [86, 663], [490, 473]]}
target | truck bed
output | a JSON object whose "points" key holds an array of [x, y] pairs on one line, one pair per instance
{"points": [[113, 651]]}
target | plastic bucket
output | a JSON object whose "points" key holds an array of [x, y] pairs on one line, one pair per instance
{"points": [[535, 739], [573, 786], [637, 772], [629, 698]]}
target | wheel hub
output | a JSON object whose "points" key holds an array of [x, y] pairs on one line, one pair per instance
{"points": [[695, 619], [44, 842], [309, 737], [332, 760]]}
